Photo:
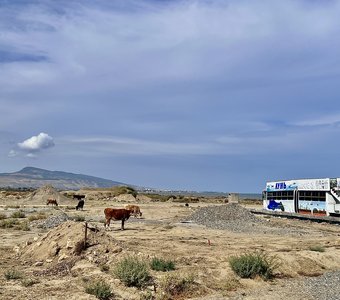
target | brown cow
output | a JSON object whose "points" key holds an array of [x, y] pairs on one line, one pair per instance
{"points": [[116, 214], [52, 202], [135, 210]]}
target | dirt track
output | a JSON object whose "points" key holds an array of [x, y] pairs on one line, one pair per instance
{"points": [[195, 249]]}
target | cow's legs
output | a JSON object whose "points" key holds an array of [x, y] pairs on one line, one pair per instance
{"points": [[107, 223], [122, 224]]}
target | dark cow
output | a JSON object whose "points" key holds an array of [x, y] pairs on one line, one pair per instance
{"points": [[80, 205], [52, 202], [116, 214]]}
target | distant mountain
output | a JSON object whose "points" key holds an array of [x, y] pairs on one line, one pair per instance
{"points": [[35, 177]]}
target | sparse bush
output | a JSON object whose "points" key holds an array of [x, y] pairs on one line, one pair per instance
{"points": [[12, 274], [159, 264], [38, 216], [174, 286], [250, 265], [3, 216], [23, 226], [317, 248], [157, 197], [132, 271], [12, 206], [100, 289], [18, 214], [79, 218], [8, 223], [119, 190], [26, 282]]}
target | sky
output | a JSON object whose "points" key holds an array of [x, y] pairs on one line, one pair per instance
{"points": [[206, 95]]}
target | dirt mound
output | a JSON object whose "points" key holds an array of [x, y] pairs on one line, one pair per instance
{"points": [[67, 241], [234, 217], [41, 195], [52, 221], [230, 216], [125, 198]]}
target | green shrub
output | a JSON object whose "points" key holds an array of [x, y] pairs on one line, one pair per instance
{"points": [[317, 248], [9, 223], [100, 289], [159, 264], [132, 271], [250, 265], [12, 274], [18, 214], [175, 286], [3, 216]]}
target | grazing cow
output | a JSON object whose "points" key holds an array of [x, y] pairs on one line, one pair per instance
{"points": [[52, 202], [135, 210], [80, 205], [116, 214]]}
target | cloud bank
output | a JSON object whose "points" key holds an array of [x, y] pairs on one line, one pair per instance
{"points": [[254, 83]]}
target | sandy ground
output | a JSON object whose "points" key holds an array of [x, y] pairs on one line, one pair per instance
{"points": [[196, 250]]}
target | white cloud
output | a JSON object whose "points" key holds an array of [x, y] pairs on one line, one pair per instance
{"points": [[37, 143], [320, 120]]}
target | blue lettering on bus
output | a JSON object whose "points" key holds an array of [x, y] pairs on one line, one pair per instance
{"points": [[280, 186]]}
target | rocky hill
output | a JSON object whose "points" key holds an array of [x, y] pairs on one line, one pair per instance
{"points": [[35, 178]]}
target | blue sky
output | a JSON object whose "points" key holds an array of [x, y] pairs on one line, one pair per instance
{"points": [[196, 95]]}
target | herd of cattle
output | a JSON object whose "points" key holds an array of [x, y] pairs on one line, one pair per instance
{"points": [[119, 214]]}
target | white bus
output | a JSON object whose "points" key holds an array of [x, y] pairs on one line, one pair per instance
{"points": [[305, 196]]}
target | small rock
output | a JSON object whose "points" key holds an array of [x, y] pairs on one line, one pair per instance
{"points": [[69, 244], [38, 263], [16, 249], [62, 257]]}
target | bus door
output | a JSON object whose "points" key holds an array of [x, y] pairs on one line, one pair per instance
{"points": [[296, 200]]}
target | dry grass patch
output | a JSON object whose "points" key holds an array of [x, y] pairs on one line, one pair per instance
{"points": [[38, 216], [27, 282], [177, 286], [226, 285], [317, 248], [13, 274]]}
